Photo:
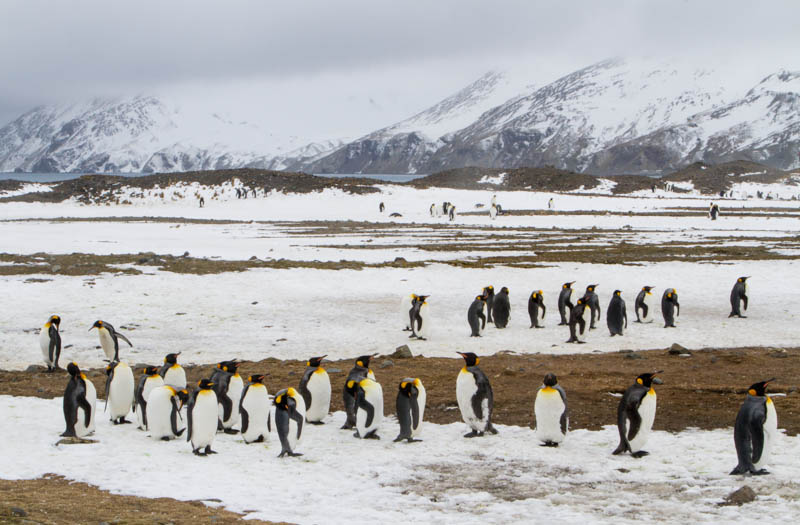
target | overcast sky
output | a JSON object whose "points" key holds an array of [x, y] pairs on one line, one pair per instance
{"points": [[400, 56]]}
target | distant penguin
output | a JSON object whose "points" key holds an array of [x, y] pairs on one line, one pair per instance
{"points": [[202, 418], [147, 382], [164, 420], [410, 405], [593, 302], [635, 415], [550, 204], [405, 310], [174, 375], [50, 343], [287, 417], [550, 408], [475, 397], [432, 209], [109, 339], [488, 292], [644, 302], [739, 297], [535, 305], [670, 308], [565, 302], [713, 211], [80, 399], [369, 408], [119, 391], [315, 387], [755, 431], [451, 213], [356, 374], [616, 315], [494, 200], [381, 207], [228, 386], [492, 212], [475, 317], [420, 318], [501, 309], [254, 409], [576, 321]]}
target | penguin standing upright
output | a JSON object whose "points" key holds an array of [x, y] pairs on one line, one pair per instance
{"points": [[670, 308], [451, 213], [410, 405], [739, 297], [713, 211], [475, 397], [475, 317], [755, 430], [565, 302], [228, 386], [616, 314], [164, 418], [254, 409], [356, 374], [288, 415], [109, 339], [174, 375], [576, 320], [550, 408], [535, 304], [488, 292], [493, 212], [315, 387], [381, 207], [420, 318], [119, 391], [369, 408], [501, 309], [202, 418], [80, 399], [644, 303], [147, 382], [635, 415], [405, 310], [50, 342], [593, 302]]}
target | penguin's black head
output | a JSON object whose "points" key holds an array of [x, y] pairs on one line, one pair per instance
{"points": [[649, 380], [363, 361], [568, 285], [647, 288], [759, 389], [550, 380], [256, 378], [183, 395], [580, 301], [743, 279], [282, 398], [97, 324], [205, 384], [150, 370], [591, 287], [316, 361], [618, 293], [409, 385], [470, 358], [73, 369], [111, 366], [229, 366], [56, 320], [422, 298], [489, 290], [172, 358], [504, 290], [480, 298]]}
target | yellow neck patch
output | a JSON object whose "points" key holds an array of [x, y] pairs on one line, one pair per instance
{"points": [[769, 400], [319, 370], [651, 392], [548, 390]]}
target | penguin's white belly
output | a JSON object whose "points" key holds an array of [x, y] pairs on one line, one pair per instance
{"points": [[647, 411], [149, 385], [159, 413], [405, 307], [374, 396], [235, 387], [120, 393], [548, 408], [319, 385], [175, 377], [204, 419], [82, 430], [466, 387], [493, 211], [425, 315], [770, 434], [44, 342], [257, 405], [422, 397], [106, 342], [649, 303]]}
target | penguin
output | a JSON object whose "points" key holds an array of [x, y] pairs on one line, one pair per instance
{"points": [[288, 416], [565, 302], [635, 415], [713, 211], [616, 314], [475, 317], [420, 318], [228, 386], [451, 213], [174, 375], [356, 374], [475, 397], [80, 399], [381, 207], [368, 395], [202, 417], [163, 411], [755, 430], [315, 387], [493, 212], [410, 405], [254, 410], [593, 302], [432, 209], [50, 342], [501, 309], [109, 339], [488, 292], [669, 304], [550, 408], [119, 391], [536, 303], [643, 303], [575, 320], [738, 298], [147, 382], [405, 310]]}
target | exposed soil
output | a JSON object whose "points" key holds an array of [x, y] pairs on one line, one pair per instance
{"points": [[713, 178]]}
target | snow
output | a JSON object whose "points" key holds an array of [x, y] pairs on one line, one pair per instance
{"points": [[26, 188], [490, 179]]}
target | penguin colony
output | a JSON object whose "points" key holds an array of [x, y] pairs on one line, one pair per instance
{"points": [[224, 401]]}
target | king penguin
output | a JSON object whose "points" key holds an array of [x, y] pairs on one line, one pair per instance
{"points": [[738, 297], [410, 405], [565, 302], [635, 415], [369, 408], [174, 375], [109, 339], [420, 318], [550, 408], [405, 310], [228, 386], [644, 302], [315, 387], [616, 315], [80, 399], [50, 342], [254, 410], [535, 304], [593, 302], [475, 317], [147, 382], [576, 320], [755, 430], [670, 308], [501, 309], [119, 391], [488, 292], [356, 374], [475, 397], [202, 418], [288, 417], [163, 410]]}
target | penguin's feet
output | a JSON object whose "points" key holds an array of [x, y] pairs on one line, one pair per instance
{"points": [[491, 429], [164, 438], [197, 452], [406, 329], [231, 431], [562, 324], [209, 451], [346, 426], [356, 434], [637, 321], [549, 444], [473, 434], [412, 440], [68, 433], [422, 338], [372, 435], [316, 422], [539, 326], [259, 439], [761, 472], [640, 454], [49, 370], [123, 421]]}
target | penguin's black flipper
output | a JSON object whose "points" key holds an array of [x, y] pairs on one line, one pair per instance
{"points": [[744, 301], [109, 377], [87, 408], [245, 420], [299, 419], [173, 417], [189, 417], [54, 350], [124, 338], [282, 424], [415, 411], [582, 324], [369, 409], [303, 387]]}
